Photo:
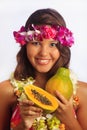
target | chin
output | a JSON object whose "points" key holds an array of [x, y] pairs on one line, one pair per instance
{"points": [[42, 71]]}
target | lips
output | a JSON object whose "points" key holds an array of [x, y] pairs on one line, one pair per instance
{"points": [[43, 61]]}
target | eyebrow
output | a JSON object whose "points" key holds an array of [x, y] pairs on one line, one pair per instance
{"points": [[51, 40]]}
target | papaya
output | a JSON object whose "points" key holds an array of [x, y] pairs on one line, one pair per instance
{"points": [[61, 82], [41, 98]]}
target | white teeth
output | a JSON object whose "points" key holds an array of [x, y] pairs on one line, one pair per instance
{"points": [[43, 61]]}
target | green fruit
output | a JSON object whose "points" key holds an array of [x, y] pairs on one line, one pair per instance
{"points": [[61, 82]]}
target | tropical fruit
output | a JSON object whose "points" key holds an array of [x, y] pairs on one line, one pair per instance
{"points": [[61, 81], [41, 98]]}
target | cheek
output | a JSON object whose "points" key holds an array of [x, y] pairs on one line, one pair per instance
{"points": [[30, 56], [29, 52], [56, 54]]}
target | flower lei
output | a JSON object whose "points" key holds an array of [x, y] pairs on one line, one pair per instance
{"points": [[59, 33], [50, 121]]}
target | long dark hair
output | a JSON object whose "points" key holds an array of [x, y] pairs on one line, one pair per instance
{"points": [[47, 16]]}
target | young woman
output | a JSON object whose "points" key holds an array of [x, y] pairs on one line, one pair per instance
{"points": [[45, 43]]}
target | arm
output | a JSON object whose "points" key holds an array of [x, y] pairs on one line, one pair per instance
{"points": [[65, 110], [65, 113], [82, 110], [6, 101], [28, 112]]}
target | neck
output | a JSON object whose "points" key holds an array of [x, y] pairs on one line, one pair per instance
{"points": [[41, 80]]}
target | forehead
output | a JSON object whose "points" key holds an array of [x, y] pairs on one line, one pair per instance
{"points": [[45, 40]]}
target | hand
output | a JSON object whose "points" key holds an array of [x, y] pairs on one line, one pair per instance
{"points": [[65, 111], [29, 112]]}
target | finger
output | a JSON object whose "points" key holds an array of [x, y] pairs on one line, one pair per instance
{"points": [[29, 105], [26, 102], [34, 113], [26, 109], [31, 112], [71, 100], [36, 109], [61, 98], [30, 108]]}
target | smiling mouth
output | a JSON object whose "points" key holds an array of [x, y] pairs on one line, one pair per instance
{"points": [[43, 61]]}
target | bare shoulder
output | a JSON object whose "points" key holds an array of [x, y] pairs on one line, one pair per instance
{"points": [[6, 87], [82, 90], [82, 86], [82, 107], [7, 91], [8, 102], [81, 83]]}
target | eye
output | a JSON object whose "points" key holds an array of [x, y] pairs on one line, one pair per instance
{"points": [[53, 44], [36, 43]]}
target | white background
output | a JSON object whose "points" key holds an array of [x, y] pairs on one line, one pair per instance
{"points": [[14, 13]]}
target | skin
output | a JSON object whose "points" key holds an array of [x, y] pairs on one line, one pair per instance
{"points": [[43, 56]]}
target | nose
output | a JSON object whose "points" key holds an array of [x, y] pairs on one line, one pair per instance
{"points": [[43, 51]]}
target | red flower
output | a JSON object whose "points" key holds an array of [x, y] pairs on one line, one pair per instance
{"points": [[59, 33], [65, 36], [48, 32], [20, 36]]}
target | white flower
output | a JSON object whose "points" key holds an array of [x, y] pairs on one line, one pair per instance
{"points": [[73, 78]]}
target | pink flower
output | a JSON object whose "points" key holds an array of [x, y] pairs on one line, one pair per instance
{"points": [[48, 32], [59, 33], [65, 37], [20, 36]]}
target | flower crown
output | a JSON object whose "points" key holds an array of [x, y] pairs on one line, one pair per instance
{"points": [[38, 32]]}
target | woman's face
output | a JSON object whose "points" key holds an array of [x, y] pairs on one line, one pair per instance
{"points": [[43, 54]]}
